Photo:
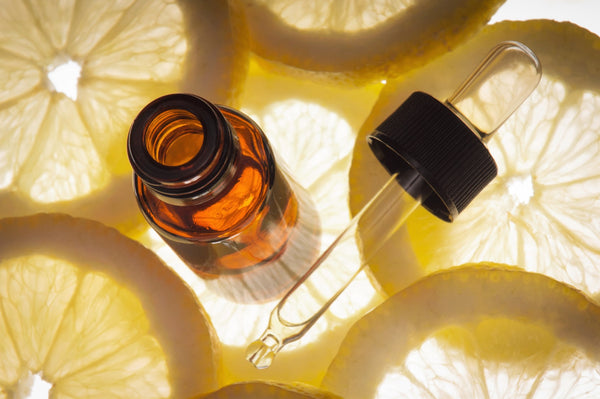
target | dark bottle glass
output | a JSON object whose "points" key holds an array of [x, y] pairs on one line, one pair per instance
{"points": [[206, 179]]}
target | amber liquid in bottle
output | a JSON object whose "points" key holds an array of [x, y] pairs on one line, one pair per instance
{"points": [[207, 181]]}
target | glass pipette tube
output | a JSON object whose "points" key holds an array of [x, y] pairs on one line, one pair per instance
{"points": [[436, 158]]}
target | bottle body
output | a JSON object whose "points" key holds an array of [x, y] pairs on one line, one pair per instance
{"points": [[250, 230]]}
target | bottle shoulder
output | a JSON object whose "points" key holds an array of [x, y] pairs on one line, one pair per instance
{"points": [[251, 137]]}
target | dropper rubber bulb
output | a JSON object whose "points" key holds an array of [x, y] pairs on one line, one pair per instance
{"points": [[436, 156]]}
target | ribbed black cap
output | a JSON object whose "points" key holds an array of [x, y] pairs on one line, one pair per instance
{"points": [[425, 138]]}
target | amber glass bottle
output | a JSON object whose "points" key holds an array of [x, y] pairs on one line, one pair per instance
{"points": [[207, 181]]}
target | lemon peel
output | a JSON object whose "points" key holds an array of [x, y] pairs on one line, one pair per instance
{"points": [[360, 41], [95, 313], [268, 390], [215, 68], [424, 340]]}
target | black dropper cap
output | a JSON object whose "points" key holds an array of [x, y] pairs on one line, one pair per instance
{"points": [[425, 138], [437, 149]]}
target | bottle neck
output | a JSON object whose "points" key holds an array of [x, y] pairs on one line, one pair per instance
{"points": [[182, 148]]}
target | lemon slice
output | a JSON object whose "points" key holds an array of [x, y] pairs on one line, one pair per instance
{"points": [[542, 211], [268, 390], [87, 312], [76, 74], [361, 40], [478, 331]]}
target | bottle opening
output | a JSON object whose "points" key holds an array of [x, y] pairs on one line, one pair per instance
{"points": [[174, 137]]}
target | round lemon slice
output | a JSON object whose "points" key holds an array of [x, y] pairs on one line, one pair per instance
{"points": [[542, 211], [361, 40], [87, 312], [76, 74], [477, 331]]}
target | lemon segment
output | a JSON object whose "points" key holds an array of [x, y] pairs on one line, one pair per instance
{"points": [[10, 363], [20, 79], [142, 373], [119, 52], [16, 147], [18, 38], [53, 20], [35, 293], [483, 330], [69, 155], [106, 319]]}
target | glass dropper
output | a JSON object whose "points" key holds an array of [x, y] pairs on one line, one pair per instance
{"points": [[436, 157]]}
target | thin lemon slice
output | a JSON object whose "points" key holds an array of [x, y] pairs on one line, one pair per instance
{"points": [[542, 211], [478, 331], [268, 390], [74, 76], [361, 40], [90, 313]]}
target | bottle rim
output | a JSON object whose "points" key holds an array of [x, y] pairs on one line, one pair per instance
{"points": [[195, 176]]}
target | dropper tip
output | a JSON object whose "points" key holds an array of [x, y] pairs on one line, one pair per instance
{"points": [[262, 351]]}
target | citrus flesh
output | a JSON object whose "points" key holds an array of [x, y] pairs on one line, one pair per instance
{"points": [[479, 331], [268, 390], [78, 73], [359, 41], [541, 212], [92, 313]]}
